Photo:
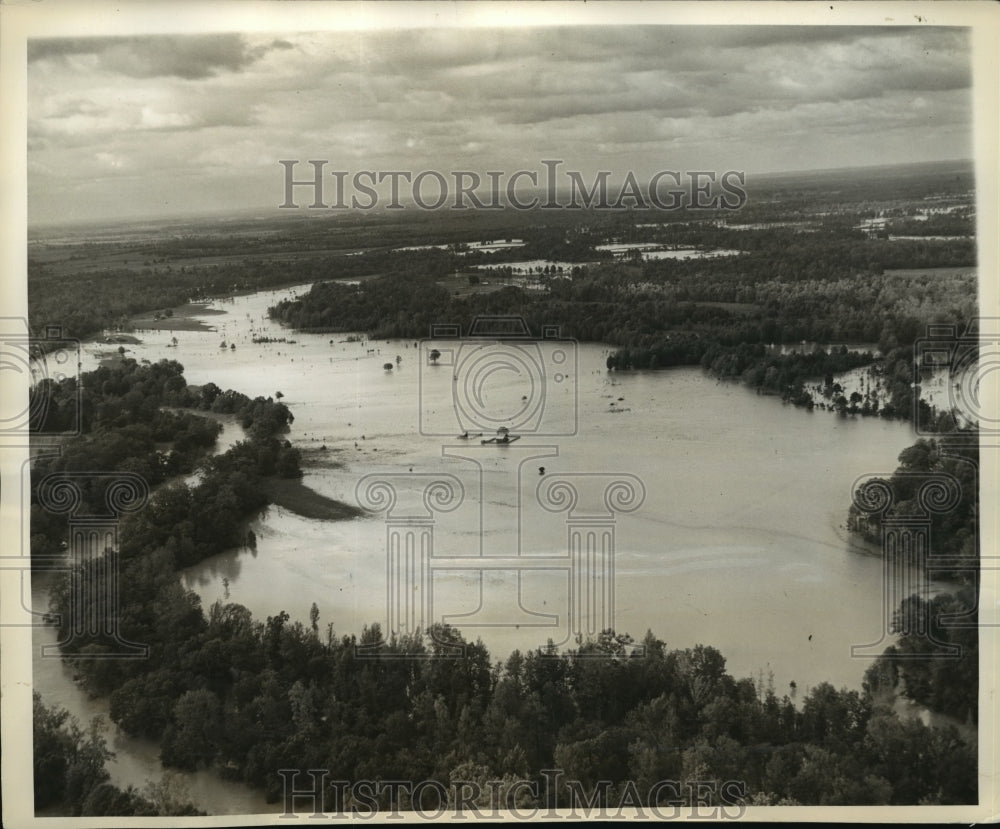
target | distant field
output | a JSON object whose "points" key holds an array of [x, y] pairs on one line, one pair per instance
{"points": [[137, 260]]}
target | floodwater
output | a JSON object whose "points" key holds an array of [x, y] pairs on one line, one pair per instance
{"points": [[738, 543], [729, 529], [655, 250]]}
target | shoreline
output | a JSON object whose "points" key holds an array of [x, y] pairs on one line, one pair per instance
{"points": [[186, 316]]}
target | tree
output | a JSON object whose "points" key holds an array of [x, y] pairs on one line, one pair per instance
{"points": [[142, 705], [387, 366], [68, 764], [434, 356], [194, 740], [108, 799], [52, 747]]}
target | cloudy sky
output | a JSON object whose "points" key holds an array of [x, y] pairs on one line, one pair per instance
{"points": [[134, 127]]}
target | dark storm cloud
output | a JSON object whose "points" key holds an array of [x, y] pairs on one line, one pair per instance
{"points": [[680, 72], [191, 57], [525, 76]]}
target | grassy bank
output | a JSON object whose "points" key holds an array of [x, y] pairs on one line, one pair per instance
{"points": [[294, 495]]}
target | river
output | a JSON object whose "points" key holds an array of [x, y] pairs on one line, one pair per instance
{"points": [[738, 542]]}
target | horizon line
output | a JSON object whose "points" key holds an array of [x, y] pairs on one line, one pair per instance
{"points": [[248, 213]]}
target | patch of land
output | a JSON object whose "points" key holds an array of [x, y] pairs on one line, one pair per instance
{"points": [[108, 359], [320, 458], [458, 284], [294, 495], [67, 256], [183, 318]]}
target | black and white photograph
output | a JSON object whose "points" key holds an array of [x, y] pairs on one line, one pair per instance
{"points": [[498, 411]]}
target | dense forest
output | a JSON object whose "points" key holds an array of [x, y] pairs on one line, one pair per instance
{"points": [[248, 697]]}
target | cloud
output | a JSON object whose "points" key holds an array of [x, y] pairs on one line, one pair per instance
{"points": [[191, 57], [521, 77], [153, 120], [183, 109]]}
